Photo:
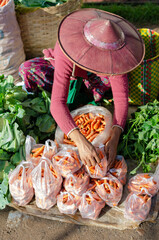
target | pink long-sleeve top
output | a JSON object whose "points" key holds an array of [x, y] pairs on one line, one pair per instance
{"points": [[63, 72]]}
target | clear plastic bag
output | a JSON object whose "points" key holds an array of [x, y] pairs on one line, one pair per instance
{"points": [[31, 149], [101, 135], [77, 182], [143, 183], [137, 206], [20, 183], [99, 170], [91, 205], [119, 169], [47, 183], [110, 190], [34, 152], [68, 203], [50, 149], [67, 161]]}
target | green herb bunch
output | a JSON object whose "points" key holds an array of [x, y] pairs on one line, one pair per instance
{"points": [[141, 140]]}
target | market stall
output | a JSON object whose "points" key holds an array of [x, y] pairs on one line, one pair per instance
{"points": [[41, 173]]}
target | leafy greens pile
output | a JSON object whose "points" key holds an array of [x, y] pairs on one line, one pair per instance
{"points": [[141, 141], [21, 114], [38, 3]]}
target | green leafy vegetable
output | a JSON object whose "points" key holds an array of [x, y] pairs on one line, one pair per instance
{"points": [[5, 196], [38, 3], [141, 141], [21, 114]]}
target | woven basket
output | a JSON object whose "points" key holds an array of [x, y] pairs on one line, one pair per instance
{"points": [[144, 80], [39, 27]]}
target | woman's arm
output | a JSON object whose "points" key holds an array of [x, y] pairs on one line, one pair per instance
{"points": [[119, 85], [60, 111], [58, 108]]}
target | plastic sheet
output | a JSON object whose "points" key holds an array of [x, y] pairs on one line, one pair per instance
{"points": [[47, 183], [67, 161], [102, 136], [91, 205], [77, 182], [67, 203], [110, 190], [143, 183], [99, 170], [119, 169], [20, 183], [137, 206]]}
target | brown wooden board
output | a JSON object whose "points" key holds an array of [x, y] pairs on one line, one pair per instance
{"points": [[109, 217]]}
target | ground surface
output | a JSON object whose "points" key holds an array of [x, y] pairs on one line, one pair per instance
{"points": [[14, 226]]}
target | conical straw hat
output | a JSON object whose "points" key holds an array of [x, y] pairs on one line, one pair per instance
{"points": [[101, 42]]}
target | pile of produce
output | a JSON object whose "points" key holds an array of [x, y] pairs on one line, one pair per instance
{"points": [[89, 124], [63, 180], [142, 188], [38, 3], [21, 114], [94, 122], [3, 2], [141, 140]]}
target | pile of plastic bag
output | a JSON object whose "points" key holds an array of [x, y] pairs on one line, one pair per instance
{"points": [[54, 174], [142, 187]]}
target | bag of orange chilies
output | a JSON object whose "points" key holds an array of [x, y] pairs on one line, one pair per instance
{"points": [[100, 169], [109, 189], [50, 149], [119, 169], [20, 183], [91, 205], [34, 152], [68, 203], [77, 182], [143, 183], [137, 206], [67, 161], [47, 183]]}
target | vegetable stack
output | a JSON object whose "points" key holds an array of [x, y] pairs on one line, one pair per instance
{"points": [[67, 161], [141, 140], [142, 188], [67, 202], [89, 125], [100, 169], [91, 205], [20, 183], [47, 184], [109, 189], [77, 182]]}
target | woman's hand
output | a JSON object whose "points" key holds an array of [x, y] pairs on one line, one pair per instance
{"points": [[111, 146], [87, 151]]}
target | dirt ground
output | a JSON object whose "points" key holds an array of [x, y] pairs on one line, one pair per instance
{"points": [[15, 226]]}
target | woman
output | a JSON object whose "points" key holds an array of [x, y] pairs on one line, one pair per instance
{"points": [[89, 41]]}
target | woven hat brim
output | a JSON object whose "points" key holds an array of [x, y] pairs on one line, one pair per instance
{"points": [[111, 62]]}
